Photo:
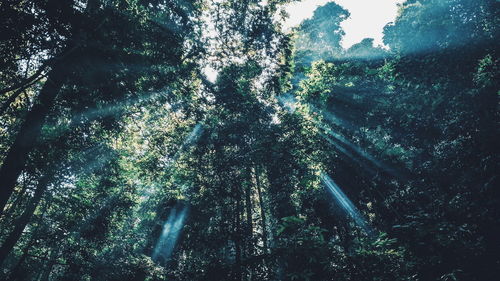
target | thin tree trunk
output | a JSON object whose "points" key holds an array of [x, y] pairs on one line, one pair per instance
{"points": [[30, 131], [248, 207], [50, 264], [28, 81], [262, 211], [23, 220], [27, 136], [16, 269], [237, 240], [17, 201]]}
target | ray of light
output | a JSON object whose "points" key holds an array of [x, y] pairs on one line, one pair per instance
{"points": [[170, 234], [190, 140], [113, 109], [358, 150], [288, 102], [349, 155], [340, 142], [346, 204]]}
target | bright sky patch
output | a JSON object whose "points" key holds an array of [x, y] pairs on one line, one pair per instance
{"points": [[367, 20]]}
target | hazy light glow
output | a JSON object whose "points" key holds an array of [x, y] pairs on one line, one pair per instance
{"points": [[190, 140], [367, 20], [170, 234], [113, 109], [349, 154], [211, 73], [345, 203], [337, 140], [358, 150], [300, 11], [288, 102]]}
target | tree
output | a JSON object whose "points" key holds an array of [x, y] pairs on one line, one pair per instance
{"points": [[319, 37], [89, 53], [299, 161]]}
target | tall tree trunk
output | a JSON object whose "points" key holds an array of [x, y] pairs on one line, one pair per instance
{"points": [[17, 201], [50, 265], [16, 270], [237, 239], [31, 128], [248, 209], [262, 211], [23, 220], [27, 136]]}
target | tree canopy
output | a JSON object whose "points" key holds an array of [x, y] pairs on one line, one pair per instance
{"points": [[124, 158]]}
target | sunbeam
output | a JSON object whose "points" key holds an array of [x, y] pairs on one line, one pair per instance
{"points": [[346, 204], [113, 109], [337, 140], [170, 234], [190, 140], [359, 151], [349, 154]]}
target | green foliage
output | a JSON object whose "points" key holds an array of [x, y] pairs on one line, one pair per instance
{"points": [[319, 37], [135, 131], [383, 259]]}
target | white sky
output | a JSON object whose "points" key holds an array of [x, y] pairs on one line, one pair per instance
{"points": [[368, 17]]}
